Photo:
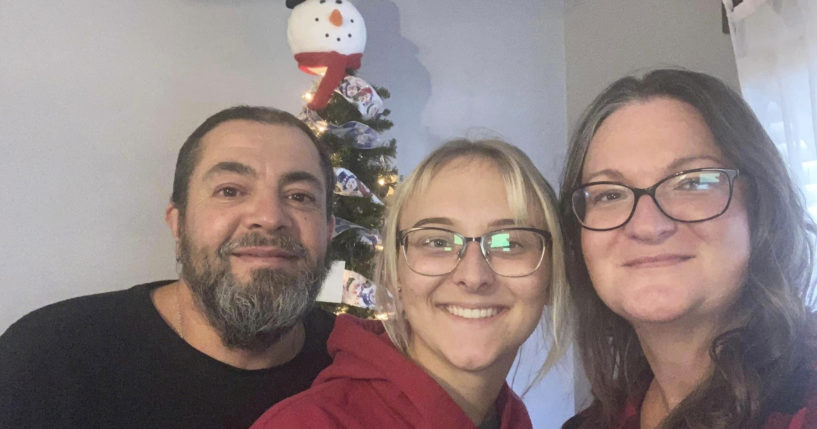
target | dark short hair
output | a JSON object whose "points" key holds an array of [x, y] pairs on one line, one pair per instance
{"points": [[190, 153]]}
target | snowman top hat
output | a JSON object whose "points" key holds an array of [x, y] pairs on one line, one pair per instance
{"points": [[292, 3]]}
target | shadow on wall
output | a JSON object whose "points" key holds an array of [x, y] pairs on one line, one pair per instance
{"points": [[392, 61]]}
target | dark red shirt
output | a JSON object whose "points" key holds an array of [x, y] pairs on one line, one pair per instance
{"points": [[370, 384], [795, 407]]}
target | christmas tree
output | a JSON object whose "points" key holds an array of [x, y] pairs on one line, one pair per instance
{"points": [[347, 114], [372, 167]]}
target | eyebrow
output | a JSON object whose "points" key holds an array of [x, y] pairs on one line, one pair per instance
{"points": [[231, 167], [449, 222], [680, 162], [246, 170], [673, 167], [613, 173], [300, 176], [428, 220], [502, 222]]}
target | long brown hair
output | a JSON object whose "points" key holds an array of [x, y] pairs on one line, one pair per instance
{"points": [[751, 361]]}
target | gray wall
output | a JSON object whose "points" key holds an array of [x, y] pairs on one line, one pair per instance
{"points": [[607, 39], [459, 67], [97, 96]]}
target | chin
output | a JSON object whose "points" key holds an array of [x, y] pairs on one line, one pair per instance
{"points": [[654, 314], [478, 359], [471, 363], [653, 302]]}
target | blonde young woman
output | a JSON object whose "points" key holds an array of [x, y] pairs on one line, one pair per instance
{"points": [[472, 254]]}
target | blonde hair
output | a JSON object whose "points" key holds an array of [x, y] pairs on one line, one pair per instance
{"points": [[525, 187]]}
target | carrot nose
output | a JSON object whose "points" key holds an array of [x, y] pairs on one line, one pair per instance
{"points": [[336, 18]]}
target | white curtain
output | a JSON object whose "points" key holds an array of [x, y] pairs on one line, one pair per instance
{"points": [[775, 44]]}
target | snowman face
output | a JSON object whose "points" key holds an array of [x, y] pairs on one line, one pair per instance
{"points": [[326, 25]]}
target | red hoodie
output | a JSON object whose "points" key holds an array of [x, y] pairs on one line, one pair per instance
{"points": [[370, 384]]}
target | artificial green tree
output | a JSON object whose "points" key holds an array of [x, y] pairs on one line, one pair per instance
{"points": [[373, 167]]}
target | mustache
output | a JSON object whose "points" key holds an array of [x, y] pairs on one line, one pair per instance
{"points": [[255, 239]]}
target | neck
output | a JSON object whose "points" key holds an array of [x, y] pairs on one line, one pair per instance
{"points": [[176, 304], [474, 391], [679, 360]]}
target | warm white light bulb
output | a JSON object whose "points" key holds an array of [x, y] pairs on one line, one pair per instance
{"points": [[308, 96]]}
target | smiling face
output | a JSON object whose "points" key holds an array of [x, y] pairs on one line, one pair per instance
{"points": [[470, 319], [654, 269], [243, 185], [254, 234]]}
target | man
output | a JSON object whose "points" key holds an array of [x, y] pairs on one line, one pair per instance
{"points": [[251, 214]]}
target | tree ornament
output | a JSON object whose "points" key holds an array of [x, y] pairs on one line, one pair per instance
{"points": [[367, 236], [357, 290], [327, 37], [347, 184], [358, 91]]}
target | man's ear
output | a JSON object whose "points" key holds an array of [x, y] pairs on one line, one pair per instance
{"points": [[172, 219]]}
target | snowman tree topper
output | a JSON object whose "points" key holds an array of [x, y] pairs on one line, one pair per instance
{"points": [[327, 38]]}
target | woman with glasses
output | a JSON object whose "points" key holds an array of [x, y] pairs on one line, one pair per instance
{"points": [[689, 254], [472, 254]]}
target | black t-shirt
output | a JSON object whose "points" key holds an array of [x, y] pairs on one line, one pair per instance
{"points": [[110, 360]]}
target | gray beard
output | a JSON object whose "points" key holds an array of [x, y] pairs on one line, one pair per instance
{"points": [[254, 315]]}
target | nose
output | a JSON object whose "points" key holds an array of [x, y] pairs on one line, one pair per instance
{"points": [[649, 223], [267, 212], [336, 18], [473, 272]]}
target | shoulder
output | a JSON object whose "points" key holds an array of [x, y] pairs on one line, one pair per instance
{"points": [[319, 323], [76, 315], [66, 315], [795, 405], [77, 328], [363, 341], [50, 354], [513, 411], [327, 405], [355, 391], [350, 329]]}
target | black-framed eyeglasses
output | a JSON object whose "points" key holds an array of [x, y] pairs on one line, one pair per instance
{"points": [[510, 252], [689, 196]]}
